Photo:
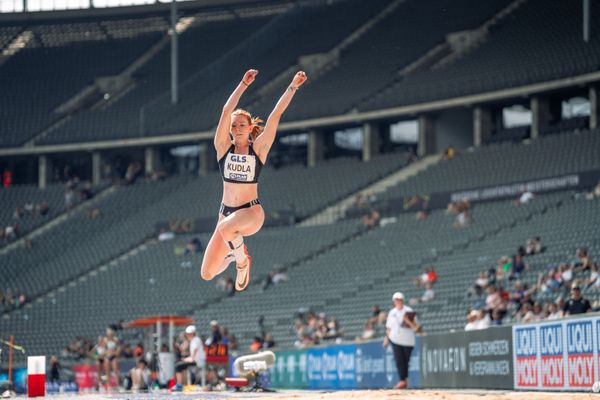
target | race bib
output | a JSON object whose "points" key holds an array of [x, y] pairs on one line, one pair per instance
{"points": [[238, 167]]}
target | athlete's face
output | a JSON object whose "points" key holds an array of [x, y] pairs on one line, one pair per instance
{"points": [[240, 127]]}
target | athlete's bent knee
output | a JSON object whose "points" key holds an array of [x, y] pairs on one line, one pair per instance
{"points": [[226, 230], [207, 276]]}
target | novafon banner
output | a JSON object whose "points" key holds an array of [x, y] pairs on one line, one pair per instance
{"points": [[560, 355], [475, 359]]}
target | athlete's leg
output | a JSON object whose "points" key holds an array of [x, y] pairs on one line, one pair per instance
{"points": [[215, 258], [244, 222]]}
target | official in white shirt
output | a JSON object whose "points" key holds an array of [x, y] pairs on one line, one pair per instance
{"points": [[400, 333]]}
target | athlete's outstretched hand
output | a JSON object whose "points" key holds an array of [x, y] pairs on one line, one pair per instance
{"points": [[299, 79], [249, 76]]}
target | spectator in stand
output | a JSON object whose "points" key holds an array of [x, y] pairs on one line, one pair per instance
{"points": [[525, 198], [449, 153], [533, 246], [275, 277], [427, 296], [496, 319], [134, 170], [371, 219], [493, 300], [594, 193], [165, 234], [593, 280], [333, 329], [503, 268], [582, 261], [368, 332], [86, 192], [483, 319], [472, 318], [526, 313], [463, 219], [576, 304], [518, 267], [138, 351], [547, 282], [226, 284], [193, 247], [375, 310], [428, 276], [268, 342], [553, 312], [69, 198], [481, 283], [214, 337], [566, 275], [256, 344]]}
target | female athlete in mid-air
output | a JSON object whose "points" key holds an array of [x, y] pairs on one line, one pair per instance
{"points": [[242, 146]]}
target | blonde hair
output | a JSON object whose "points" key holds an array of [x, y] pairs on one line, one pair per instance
{"points": [[253, 121]]}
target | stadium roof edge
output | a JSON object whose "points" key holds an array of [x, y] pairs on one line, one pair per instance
{"points": [[125, 10], [351, 118]]}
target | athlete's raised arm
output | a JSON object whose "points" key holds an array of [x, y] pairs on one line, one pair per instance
{"points": [[263, 143], [222, 139]]}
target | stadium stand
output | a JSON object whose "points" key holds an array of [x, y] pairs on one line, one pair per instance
{"points": [[128, 216], [103, 262], [153, 280], [199, 45], [392, 255], [29, 200], [537, 43], [366, 271], [97, 53], [209, 64], [549, 156], [375, 59]]}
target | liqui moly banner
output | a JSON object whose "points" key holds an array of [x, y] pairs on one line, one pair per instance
{"points": [[559, 355]]}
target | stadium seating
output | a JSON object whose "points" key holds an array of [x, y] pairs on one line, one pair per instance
{"points": [[548, 156], [376, 58], [103, 262], [359, 80], [7, 34], [199, 46], [152, 281], [369, 269], [129, 215], [70, 66], [332, 268], [541, 41], [19, 196]]}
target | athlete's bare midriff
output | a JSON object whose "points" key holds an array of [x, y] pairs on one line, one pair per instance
{"points": [[237, 194]]}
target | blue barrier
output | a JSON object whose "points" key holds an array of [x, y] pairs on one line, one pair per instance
{"points": [[346, 366]]}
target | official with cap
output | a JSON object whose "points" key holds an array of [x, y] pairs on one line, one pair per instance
{"points": [[401, 326]]}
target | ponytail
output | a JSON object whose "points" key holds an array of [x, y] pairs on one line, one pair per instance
{"points": [[257, 129]]}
